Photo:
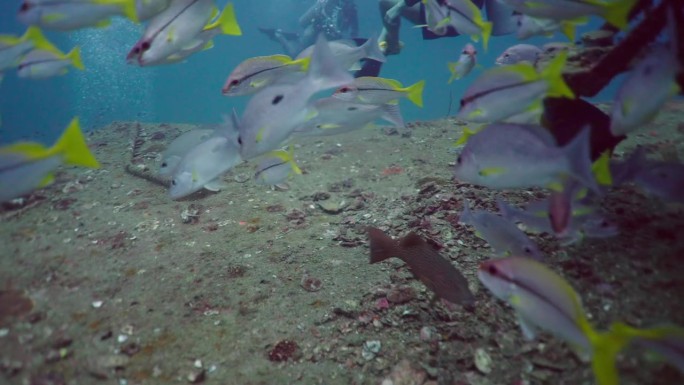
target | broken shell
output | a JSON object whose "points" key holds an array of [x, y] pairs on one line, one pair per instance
{"points": [[483, 362], [370, 349]]}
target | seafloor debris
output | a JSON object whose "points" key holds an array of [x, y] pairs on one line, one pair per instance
{"points": [[283, 351], [310, 283], [13, 303]]}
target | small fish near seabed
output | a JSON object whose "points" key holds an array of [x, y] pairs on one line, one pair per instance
{"points": [[466, 62], [203, 166], [43, 64], [502, 92], [433, 270], [503, 155], [275, 112], [336, 116], [543, 299], [502, 235], [519, 53], [375, 90], [276, 168], [180, 146], [68, 15], [27, 166], [258, 72]]}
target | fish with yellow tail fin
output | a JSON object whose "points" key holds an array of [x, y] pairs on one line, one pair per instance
{"points": [[12, 48], [463, 15], [258, 72], [529, 26], [68, 15], [503, 156], [616, 12], [543, 299], [26, 166], [276, 168], [375, 90], [225, 23], [502, 92], [43, 64]]}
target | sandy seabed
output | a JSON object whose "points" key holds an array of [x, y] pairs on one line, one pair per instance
{"points": [[106, 280]]}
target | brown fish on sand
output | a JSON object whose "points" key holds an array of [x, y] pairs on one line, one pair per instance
{"points": [[436, 272]]}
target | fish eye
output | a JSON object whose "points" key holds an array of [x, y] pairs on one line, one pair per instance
{"points": [[240, 140], [352, 109], [491, 269], [145, 46], [164, 164], [463, 102], [527, 250], [345, 89], [234, 82], [277, 99], [507, 54], [173, 182], [459, 160]]}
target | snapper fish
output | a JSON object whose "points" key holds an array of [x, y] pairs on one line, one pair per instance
{"points": [[375, 90], [180, 146], [68, 15], [13, 48], [171, 30], [272, 114], [348, 53], [43, 64], [466, 62], [336, 116], [275, 169], [258, 72], [543, 299], [519, 53], [225, 23], [663, 179], [463, 15], [529, 26], [503, 236], [655, 76], [27, 166], [202, 166], [502, 92], [504, 155], [616, 12]]}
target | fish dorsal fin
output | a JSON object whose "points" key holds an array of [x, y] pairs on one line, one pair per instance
{"points": [[411, 240]]}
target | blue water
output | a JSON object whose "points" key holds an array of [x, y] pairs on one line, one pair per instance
{"points": [[110, 90]]}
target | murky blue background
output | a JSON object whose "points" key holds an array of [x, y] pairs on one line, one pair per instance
{"points": [[190, 92]]}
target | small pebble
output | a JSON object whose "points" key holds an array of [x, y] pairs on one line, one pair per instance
{"points": [[483, 362], [97, 304]]}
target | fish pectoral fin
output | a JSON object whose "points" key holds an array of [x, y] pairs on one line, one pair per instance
{"points": [[216, 185], [47, 180], [260, 134], [490, 171], [528, 330]]}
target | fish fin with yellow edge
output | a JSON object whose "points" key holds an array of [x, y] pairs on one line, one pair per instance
{"points": [[303, 63], [208, 45], [453, 68], [73, 147], [487, 27], [414, 93], [260, 135], [47, 180], [616, 12], [29, 150], [291, 160], [490, 171], [553, 74], [35, 35], [75, 57], [467, 133], [568, 29], [605, 348], [601, 169], [226, 22], [128, 7]]}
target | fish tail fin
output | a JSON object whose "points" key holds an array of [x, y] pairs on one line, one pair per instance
{"points": [[324, 69], [73, 147], [601, 169], [553, 74], [617, 12], [605, 348], [372, 50], [303, 63], [39, 40], [382, 246], [291, 161], [568, 29], [227, 22], [75, 56], [487, 27], [578, 153], [414, 93], [452, 68]]}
